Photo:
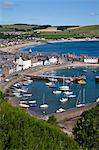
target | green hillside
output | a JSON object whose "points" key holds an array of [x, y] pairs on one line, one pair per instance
{"points": [[20, 131], [82, 32]]}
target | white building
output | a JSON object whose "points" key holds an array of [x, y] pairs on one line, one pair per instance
{"points": [[91, 60], [27, 64], [46, 62], [22, 64], [38, 63], [53, 60]]}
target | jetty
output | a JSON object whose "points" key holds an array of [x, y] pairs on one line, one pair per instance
{"points": [[59, 78]]}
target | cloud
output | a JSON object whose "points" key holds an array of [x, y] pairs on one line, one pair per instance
{"points": [[7, 4]]}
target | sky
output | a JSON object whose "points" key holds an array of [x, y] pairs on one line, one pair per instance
{"points": [[53, 12]]}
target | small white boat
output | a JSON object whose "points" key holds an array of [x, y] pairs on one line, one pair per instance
{"points": [[97, 100], [27, 82], [24, 105], [22, 90], [64, 88], [71, 96], [17, 94], [53, 79], [67, 81], [80, 105], [50, 84], [60, 110], [23, 102], [30, 50], [44, 105], [63, 100], [17, 84], [57, 92], [27, 94], [68, 92], [32, 102]]}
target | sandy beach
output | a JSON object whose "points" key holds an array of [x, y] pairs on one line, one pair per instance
{"points": [[15, 49]]}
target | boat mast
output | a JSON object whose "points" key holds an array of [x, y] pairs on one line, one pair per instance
{"points": [[79, 95], [83, 95]]}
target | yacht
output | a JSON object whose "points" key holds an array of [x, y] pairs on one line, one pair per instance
{"points": [[44, 105], [78, 103]]}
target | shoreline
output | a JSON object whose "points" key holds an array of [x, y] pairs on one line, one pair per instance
{"points": [[16, 48]]}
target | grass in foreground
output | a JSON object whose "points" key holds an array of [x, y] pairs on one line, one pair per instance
{"points": [[20, 131]]}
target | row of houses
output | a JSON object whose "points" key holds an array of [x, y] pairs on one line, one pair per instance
{"points": [[22, 63]]}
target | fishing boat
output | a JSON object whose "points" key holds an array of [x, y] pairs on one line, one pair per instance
{"points": [[60, 110], [44, 105], [63, 100], [82, 82], [78, 103], [57, 92]]}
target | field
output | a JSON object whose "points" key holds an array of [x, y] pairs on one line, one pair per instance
{"points": [[81, 32]]}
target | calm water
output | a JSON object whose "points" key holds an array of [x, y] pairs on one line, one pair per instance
{"points": [[91, 88], [87, 47], [38, 88]]}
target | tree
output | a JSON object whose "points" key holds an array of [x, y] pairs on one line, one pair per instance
{"points": [[86, 131]]}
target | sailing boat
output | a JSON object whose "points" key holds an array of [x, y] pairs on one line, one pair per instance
{"points": [[64, 87], [78, 103], [44, 105]]}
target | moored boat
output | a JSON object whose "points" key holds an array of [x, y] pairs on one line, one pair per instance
{"points": [[82, 82], [60, 110], [24, 105], [63, 100], [57, 92]]}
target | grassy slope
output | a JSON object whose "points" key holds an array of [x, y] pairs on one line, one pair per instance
{"points": [[18, 131], [82, 32]]}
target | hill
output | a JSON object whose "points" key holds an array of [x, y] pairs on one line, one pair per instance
{"points": [[20, 131], [77, 32]]}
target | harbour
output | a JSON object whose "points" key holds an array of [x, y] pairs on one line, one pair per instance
{"points": [[53, 94]]}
